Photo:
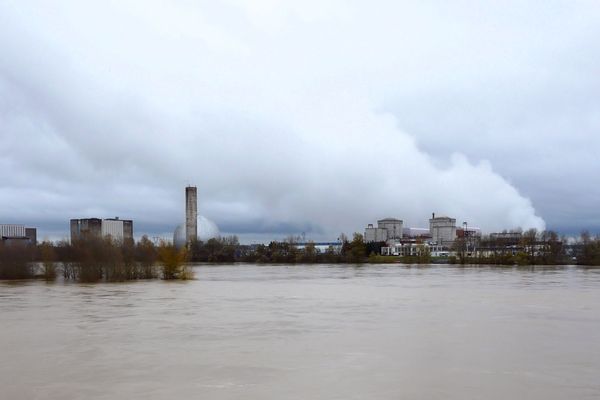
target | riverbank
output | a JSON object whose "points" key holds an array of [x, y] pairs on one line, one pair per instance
{"points": [[101, 259]]}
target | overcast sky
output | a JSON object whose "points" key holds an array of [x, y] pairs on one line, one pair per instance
{"points": [[300, 116]]}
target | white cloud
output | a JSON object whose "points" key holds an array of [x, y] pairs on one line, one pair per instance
{"points": [[286, 115]]}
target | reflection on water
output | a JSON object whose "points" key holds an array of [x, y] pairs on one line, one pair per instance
{"points": [[307, 332]]}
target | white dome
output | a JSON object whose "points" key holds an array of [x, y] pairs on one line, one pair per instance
{"points": [[207, 229]]}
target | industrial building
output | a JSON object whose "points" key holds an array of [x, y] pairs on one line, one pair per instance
{"points": [[412, 249], [373, 234], [416, 233], [393, 227], [119, 230], [438, 241], [387, 229], [507, 237], [468, 232], [442, 229], [18, 233], [84, 228]]}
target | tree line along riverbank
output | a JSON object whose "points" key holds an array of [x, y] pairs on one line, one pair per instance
{"points": [[94, 260], [102, 259]]}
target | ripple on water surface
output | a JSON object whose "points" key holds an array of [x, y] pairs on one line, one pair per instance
{"points": [[308, 331]]}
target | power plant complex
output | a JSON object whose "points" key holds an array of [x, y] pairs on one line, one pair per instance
{"points": [[195, 227], [438, 239], [391, 234]]}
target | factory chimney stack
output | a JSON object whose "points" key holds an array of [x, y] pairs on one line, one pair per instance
{"points": [[191, 214]]}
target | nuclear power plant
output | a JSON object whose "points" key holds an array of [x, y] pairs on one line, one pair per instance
{"points": [[191, 214]]}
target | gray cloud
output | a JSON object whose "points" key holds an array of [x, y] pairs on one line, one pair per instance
{"points": [[290, 117]]}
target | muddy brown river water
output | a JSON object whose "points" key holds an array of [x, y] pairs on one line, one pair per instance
{"points": [[307, 332]]}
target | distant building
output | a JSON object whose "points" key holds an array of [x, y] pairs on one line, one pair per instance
{"points": [[442, 229], [415, 233], [31, 235], [322, 247], [507, 237], [85, 228], [412, 249], [393, 227], [468, 232], [118, 229], [387, 229], [12, 231], [373, 234], [127, 229], [112, 227], [18, 233]]}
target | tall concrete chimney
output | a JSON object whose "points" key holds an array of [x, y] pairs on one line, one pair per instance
{"points": [[191, 214]]}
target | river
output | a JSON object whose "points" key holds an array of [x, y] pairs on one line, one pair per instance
{"points": [[307, 332]]}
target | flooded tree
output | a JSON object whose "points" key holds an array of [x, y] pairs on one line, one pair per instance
{"points": [[147, 255], [356, 252], [589, 249], [16, 260], [308, 254], [48, 256], [173, 262]]}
